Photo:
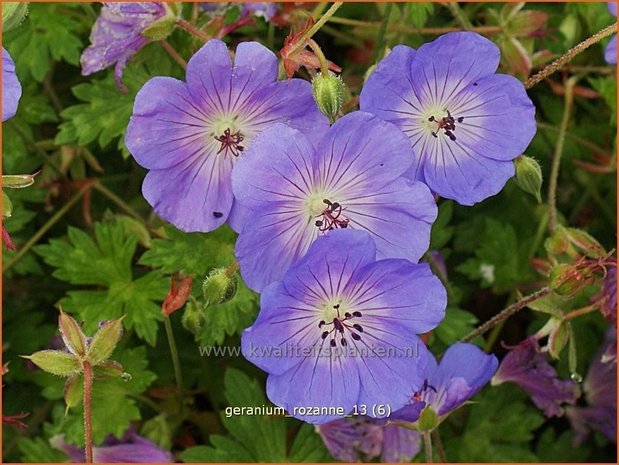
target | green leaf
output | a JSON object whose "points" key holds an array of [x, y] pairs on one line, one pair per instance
{"points": [[113, 408], [39, 450], [418, 13], [47, 34], [456, 324], [106, 262], [441, 231], [500, 259], [500, 428], [191, 253], [308, 446], [253, 437], [104, 114], [607, 87]]}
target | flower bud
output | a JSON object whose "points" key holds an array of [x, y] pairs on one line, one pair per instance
{"points": [[529, 176], [104, 341], [219, 286], [194, 317], [569, 280], [428, 419], [13, 14], [161, 28], [329, 94], [55, 362]]}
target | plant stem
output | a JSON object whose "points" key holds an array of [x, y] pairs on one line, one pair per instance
{"points": [[46, 227], [120, 203], [192, 29], [571, 53], [556, 159], [580, 312], [506, 313], [173, 53], [459, 15], [380, 36], [438, 445], [88, 410], [584, 142], [427, 446], [324, 66], [314, 29], [174, 353], [412, 30]]}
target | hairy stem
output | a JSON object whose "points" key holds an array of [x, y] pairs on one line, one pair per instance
{"points": [[459, 15], [506, 313], [413, 30], [173, 53], [558, 153], [324, 66], [302, 42], [380, 36], [88, 410], [438, 445], [571, 53], [427, 446], [192, 29], [47, 226], [174, 353]]}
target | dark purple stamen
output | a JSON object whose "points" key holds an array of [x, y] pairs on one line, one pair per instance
{"points": [[340, 325], [330, 217], [231, 142], [447, 123]]}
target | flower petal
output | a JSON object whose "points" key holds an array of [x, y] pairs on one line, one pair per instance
{"points": [[610, 52], [167, 127], [361, 151], [323, 381], [11, 88], [399, 216], [194, 195]]}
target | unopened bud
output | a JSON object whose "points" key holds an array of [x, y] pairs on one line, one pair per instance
{"points": [[568, 279], [194, 317], [13, 14], [219, 286], [529, 176], [329, 94]]}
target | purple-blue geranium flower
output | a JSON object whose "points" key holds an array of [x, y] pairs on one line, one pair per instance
{"points": [[11, 88], [607, 297], [526, 366], [600, 389], [462, 372], [362, 438], [190, 134], [294, 189], [132, 448], [118, 35], [610, 53], [265, 10], [465, 123], [340, 329]]}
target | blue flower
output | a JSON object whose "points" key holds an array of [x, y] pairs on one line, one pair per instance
{"points": [[118, 35], [526, 366], [340, 328], [190, 134], [362, 438], [11, 88], [465, 123], [295, 188], [462, 372]]}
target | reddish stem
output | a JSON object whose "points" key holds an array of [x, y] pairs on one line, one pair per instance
{"points": [[88, 410], [173, 53], [192, 29]]}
